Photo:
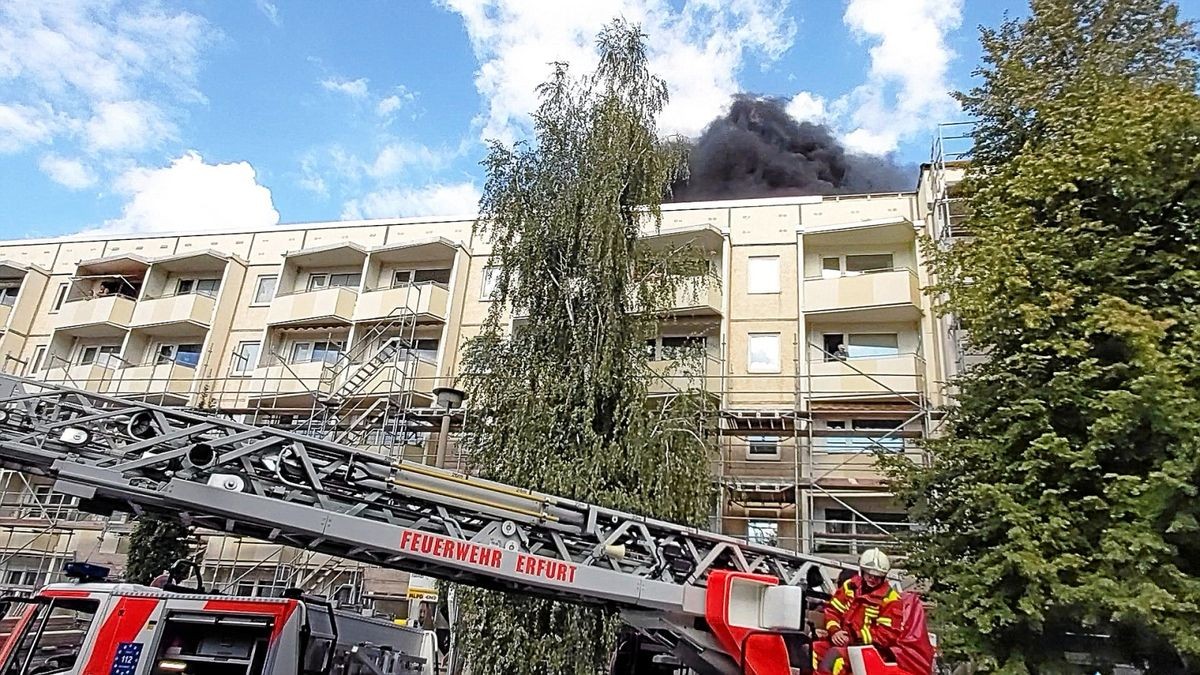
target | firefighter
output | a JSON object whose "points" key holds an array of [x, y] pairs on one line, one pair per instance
{"points": [[865, 610]]}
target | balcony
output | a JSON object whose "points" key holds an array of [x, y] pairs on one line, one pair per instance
{"points": [[880, 377], [891, 295], [324, 306], [428, 300], [195, 309], [674, 377], [161, 382], [695, 300], [96, 317]]}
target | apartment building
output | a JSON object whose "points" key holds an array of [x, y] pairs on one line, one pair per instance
{"points": [[820, 351]]}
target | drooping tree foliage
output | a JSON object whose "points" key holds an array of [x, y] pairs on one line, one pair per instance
{"points": [[1062, 500], [154, 545], [558, 398]]}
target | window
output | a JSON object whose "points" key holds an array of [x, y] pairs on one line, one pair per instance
{"points": [[264, 289], [763, 353], [763, 274], [762, 532], [183, 354], [857, 264], [839, 346], [438, 276], [831, 267], [863, 435], [762, 447], [675, 347], [405, 277], [8, 292], [491, 278], [873, 345], [834, 266], [318, 282], [245, 358], [53, 637], [207, 287], [60, 296], [38, 355], [426, 349], [103, 355], [307, 352]]}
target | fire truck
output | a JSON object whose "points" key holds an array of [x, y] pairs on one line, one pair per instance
{"points": [[691, 599]]}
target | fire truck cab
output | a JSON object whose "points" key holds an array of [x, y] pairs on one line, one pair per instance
{"points": [[97, 628]]}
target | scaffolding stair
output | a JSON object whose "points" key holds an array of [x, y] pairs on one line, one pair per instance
{"points": [[356, 432], [365, 373]]}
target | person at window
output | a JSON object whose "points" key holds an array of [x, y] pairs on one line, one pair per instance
{"points": [[865, 610], [842, 352]]}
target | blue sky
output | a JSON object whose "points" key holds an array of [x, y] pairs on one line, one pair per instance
{"points": [[167, 116]]}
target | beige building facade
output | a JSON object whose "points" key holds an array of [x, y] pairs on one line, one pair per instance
{"points": [[820, 350]]}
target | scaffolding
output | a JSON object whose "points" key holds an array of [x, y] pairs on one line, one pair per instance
{"points": [[949, 155], [794, 451]]}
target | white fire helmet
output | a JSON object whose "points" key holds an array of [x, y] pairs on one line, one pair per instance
{"points": [[874, 561]]}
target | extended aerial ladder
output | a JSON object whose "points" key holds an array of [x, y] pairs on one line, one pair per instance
{"points": [[676, 586]]}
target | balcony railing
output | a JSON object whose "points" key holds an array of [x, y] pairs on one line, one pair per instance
{"points": [[196, 308], [902, 374], [109, 309], [853, 292], [421, 298], [336, 304]]}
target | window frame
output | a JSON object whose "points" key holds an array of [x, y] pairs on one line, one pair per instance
{"points": [[60, 297], [247, 364], [258, 284], [850, 444], [172, 355], [762, 441], [100, 350], [489, 283], [39, 355], [773, 286], [10, 291], [762, 525], [778, 360]]}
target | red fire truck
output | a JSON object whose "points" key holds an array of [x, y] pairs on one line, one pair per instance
{"points": [[693, 601], [99, 628]]}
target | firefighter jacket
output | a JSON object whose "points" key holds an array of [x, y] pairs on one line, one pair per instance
{"points": [[871, 618]]}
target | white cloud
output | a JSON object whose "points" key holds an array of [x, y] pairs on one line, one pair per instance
{"points": [[436, 199], [808, 107], [269, 10], [352, 88], [516, 40], [395, 158], [390, 104], [127, 126], [22, 126], [98, 49], [103, 78], [71, 173], [906, 89], [192, 195]]}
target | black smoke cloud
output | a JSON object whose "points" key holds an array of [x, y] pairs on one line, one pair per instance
{"points": [[758, 150]]}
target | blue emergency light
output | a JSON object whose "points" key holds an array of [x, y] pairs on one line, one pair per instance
{"points": [[85, 572]]}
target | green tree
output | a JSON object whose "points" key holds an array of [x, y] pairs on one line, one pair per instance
{"points": [[559, 402], [1062, 497], [154, 545]]}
